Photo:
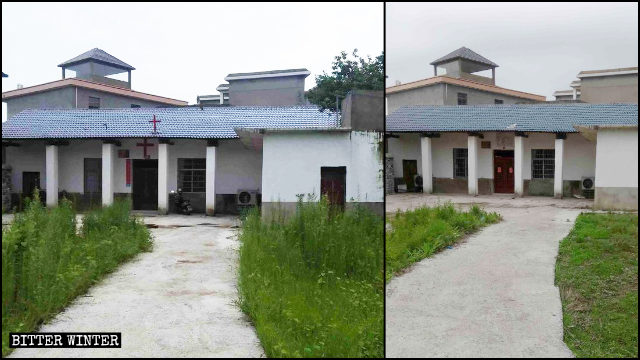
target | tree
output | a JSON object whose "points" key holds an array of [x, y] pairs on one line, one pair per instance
{"points": [[359, 73]]}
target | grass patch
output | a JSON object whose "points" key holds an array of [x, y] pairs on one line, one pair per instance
{"points": [[597, 273], [47, 262], [419, 233], [313, 284]]}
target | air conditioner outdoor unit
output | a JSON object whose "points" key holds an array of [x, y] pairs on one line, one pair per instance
{"points": [[587, 183], [247, 197]]}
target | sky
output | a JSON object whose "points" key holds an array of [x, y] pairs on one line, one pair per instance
{"points": [[182, 50], [539, 47]]}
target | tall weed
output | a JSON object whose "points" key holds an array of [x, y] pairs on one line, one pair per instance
{"points": [[313, 284], [47, 262]]}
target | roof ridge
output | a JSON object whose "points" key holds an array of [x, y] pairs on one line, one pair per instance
{"points": [[463, 80]]}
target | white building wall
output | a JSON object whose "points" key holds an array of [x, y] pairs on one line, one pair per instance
{"points": [[237, 167], [29, 156], [617, 158], [579, 157], [292, 163]]}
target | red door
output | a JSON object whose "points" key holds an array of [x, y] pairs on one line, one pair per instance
{"points": [[503, 177]]}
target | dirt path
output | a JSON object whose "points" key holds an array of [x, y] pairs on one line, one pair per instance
{"points": [[491, 296], [177, 301]]}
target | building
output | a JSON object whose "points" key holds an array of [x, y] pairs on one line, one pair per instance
{"points": [[273, 87], [549, 150], [223, 157], [606, 86], [455, 82], [214, 100], [92, 87]]}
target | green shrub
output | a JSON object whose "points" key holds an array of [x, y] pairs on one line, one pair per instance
{"points": [[47, 262], [313, 284], [419, 233]]}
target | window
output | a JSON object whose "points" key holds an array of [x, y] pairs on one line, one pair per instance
{"points": [[460, 157], [462, 99], [94, 102], [92, 175], [192, 175], [498, 101], [542, 163], [135, 106]]}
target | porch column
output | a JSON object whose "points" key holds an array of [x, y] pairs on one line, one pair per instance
{"points": [[472, 163], [211, 177], [163, 173], [427, 162], [52, 174], [557, 174], [518, 166], [107, 173]]}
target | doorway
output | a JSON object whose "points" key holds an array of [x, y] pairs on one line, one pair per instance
{"points": [[409, 172], [145, 184], [30, 181], [503, 171], [333, 181]]}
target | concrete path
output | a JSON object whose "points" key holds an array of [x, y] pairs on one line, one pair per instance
{"points": [[493, 295], [177, 301]]}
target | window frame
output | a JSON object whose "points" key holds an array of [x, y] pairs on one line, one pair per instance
{"points": [[547, 159], [89, 105], [498, 102], [456, 156], [464, 96], [192, 170]]}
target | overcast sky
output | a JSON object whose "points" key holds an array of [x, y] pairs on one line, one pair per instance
{"points": [[182, 50], [540, 47]]}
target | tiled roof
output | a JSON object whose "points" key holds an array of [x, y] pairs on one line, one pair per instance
{"points": [[89, 85], [464, 53], [533, 118], [463, 82], [99, 55], [208, 123]]}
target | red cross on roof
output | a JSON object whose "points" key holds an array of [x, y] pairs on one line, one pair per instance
{"points": [[154, 121]]}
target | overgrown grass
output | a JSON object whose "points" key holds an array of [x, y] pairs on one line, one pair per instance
{"points": [[597, 273], [46, 262], [416, 234], [313, 284]]}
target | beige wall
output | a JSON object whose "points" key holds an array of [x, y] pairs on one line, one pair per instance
{"points": [[610, 89]]}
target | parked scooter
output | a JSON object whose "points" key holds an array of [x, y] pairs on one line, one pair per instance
{"points": [[183, 206]]}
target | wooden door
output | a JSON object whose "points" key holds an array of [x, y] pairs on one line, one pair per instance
{"points": [[333, 184], [92, 175], [409, 171], [145, 185], [503, 172]]}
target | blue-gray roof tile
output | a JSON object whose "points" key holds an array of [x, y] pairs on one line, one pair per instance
{"points": [[533, 118], [186, 122]]}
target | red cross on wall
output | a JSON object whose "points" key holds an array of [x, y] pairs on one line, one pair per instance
{"points": [[154, 121], [145, 144]]}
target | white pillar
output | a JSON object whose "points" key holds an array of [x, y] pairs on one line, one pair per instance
{"points": [[427, 164], [557, 175], [52, 174], [211, 178], [221, 98], [575, 93], [518, 166], [107, 173], [163, 183], [472, 162]]}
